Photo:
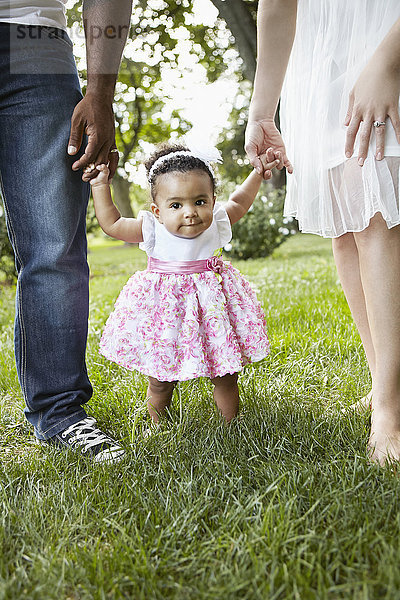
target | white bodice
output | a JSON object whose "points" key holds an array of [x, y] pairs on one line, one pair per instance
{"points": [[159, 243]]}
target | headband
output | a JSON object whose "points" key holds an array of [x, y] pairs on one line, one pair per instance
{"points": [[206, 155]]}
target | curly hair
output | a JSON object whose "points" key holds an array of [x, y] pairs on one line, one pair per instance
{"points": [[180, 163]]}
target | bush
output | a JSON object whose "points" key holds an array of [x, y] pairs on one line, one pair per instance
{"points": [[262, 229]]}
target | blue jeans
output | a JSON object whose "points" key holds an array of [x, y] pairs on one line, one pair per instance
{"points": [[45, 205]]}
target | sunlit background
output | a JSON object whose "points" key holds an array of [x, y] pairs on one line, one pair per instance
{"points": [[206, 105]]}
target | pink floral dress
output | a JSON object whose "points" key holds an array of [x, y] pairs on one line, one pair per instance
{"points": [[176, 326]]}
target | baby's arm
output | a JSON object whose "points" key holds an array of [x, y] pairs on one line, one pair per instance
{"points": [[111, 222], [243, 197]]}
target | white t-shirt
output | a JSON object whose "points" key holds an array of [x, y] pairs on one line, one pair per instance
{"points": [[50, 13]]}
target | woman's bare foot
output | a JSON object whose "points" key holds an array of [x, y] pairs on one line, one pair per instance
{"points": [[384, 441], [361, 406]]}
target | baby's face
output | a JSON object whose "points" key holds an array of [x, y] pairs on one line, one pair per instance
{"points": [[184, 202]]}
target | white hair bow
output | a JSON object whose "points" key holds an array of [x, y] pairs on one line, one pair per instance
{"points": [[198, 148]]}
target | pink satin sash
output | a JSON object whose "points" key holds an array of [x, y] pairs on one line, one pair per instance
{"points": [[185, 267]]}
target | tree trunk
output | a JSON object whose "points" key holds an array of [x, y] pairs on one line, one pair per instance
{"points": [[243, 28], [121, 195]]}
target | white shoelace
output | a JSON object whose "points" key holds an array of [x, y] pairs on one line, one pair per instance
{"points": [[88, 439]]}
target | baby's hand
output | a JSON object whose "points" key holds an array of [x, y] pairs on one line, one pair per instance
{"points": [[270, 160], [100, 179]]}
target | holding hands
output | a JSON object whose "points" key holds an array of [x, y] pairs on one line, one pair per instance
{"points": [[97, 176], [93, 117], [263, 145]]}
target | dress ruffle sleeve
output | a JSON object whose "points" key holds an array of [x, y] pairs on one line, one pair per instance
{"points": [[223, 224], [148, 231]]}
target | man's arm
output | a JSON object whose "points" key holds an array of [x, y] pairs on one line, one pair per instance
{"points": [[106, 24]]}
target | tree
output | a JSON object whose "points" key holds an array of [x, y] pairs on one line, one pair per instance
{"points": [[154, 47], [240, 17]]}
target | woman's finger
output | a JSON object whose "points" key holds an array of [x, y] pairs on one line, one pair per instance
{"points": [[364, 140], [380, 130], [270, 155], [352, 129], [349, 113], [395, 119], [287, 164]]}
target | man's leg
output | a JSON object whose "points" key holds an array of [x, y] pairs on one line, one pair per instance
{"points": [[45, 206]]}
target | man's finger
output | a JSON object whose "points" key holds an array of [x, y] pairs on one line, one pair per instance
{"points": [[113, 164], [76, 135], [90, 155]]}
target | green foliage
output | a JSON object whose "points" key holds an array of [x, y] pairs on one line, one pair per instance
{"points": [[7, 265], [262, 229], [161, 33], [154, 46]]}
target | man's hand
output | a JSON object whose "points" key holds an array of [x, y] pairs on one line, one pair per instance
{"points": [[95, 117]]}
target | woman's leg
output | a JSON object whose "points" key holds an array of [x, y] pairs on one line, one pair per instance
{"points": [[226, 395], [379, 257], [346, 257], [159, 395], [345, 252]]}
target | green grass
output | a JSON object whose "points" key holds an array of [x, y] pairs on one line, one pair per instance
{"points": [[282, 504]]}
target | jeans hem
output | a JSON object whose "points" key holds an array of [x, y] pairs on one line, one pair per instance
{"points": [[61, 425]]}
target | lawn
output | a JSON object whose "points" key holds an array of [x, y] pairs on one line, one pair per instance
{"points": [[281, 504]]}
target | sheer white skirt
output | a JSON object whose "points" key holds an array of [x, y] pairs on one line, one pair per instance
{"points": [[328, 194]]}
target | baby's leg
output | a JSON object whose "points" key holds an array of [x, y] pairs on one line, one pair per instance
{"points": [[226, 395], [159, 394]]}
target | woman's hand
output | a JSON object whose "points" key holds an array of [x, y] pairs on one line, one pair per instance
{"points": [[262, 136], [375, 97]]}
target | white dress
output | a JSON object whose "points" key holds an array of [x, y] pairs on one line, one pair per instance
{"points": [[328, 194], [175, 326]]}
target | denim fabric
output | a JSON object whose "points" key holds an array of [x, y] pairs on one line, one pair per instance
{"points": [[45, 204]]}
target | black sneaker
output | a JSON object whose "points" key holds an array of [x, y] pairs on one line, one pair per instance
{"points": [[90, 441]]}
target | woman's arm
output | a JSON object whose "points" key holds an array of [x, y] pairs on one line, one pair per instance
{"points": [[375, 97], [111, 222], [276, 26], [243, 197]]}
